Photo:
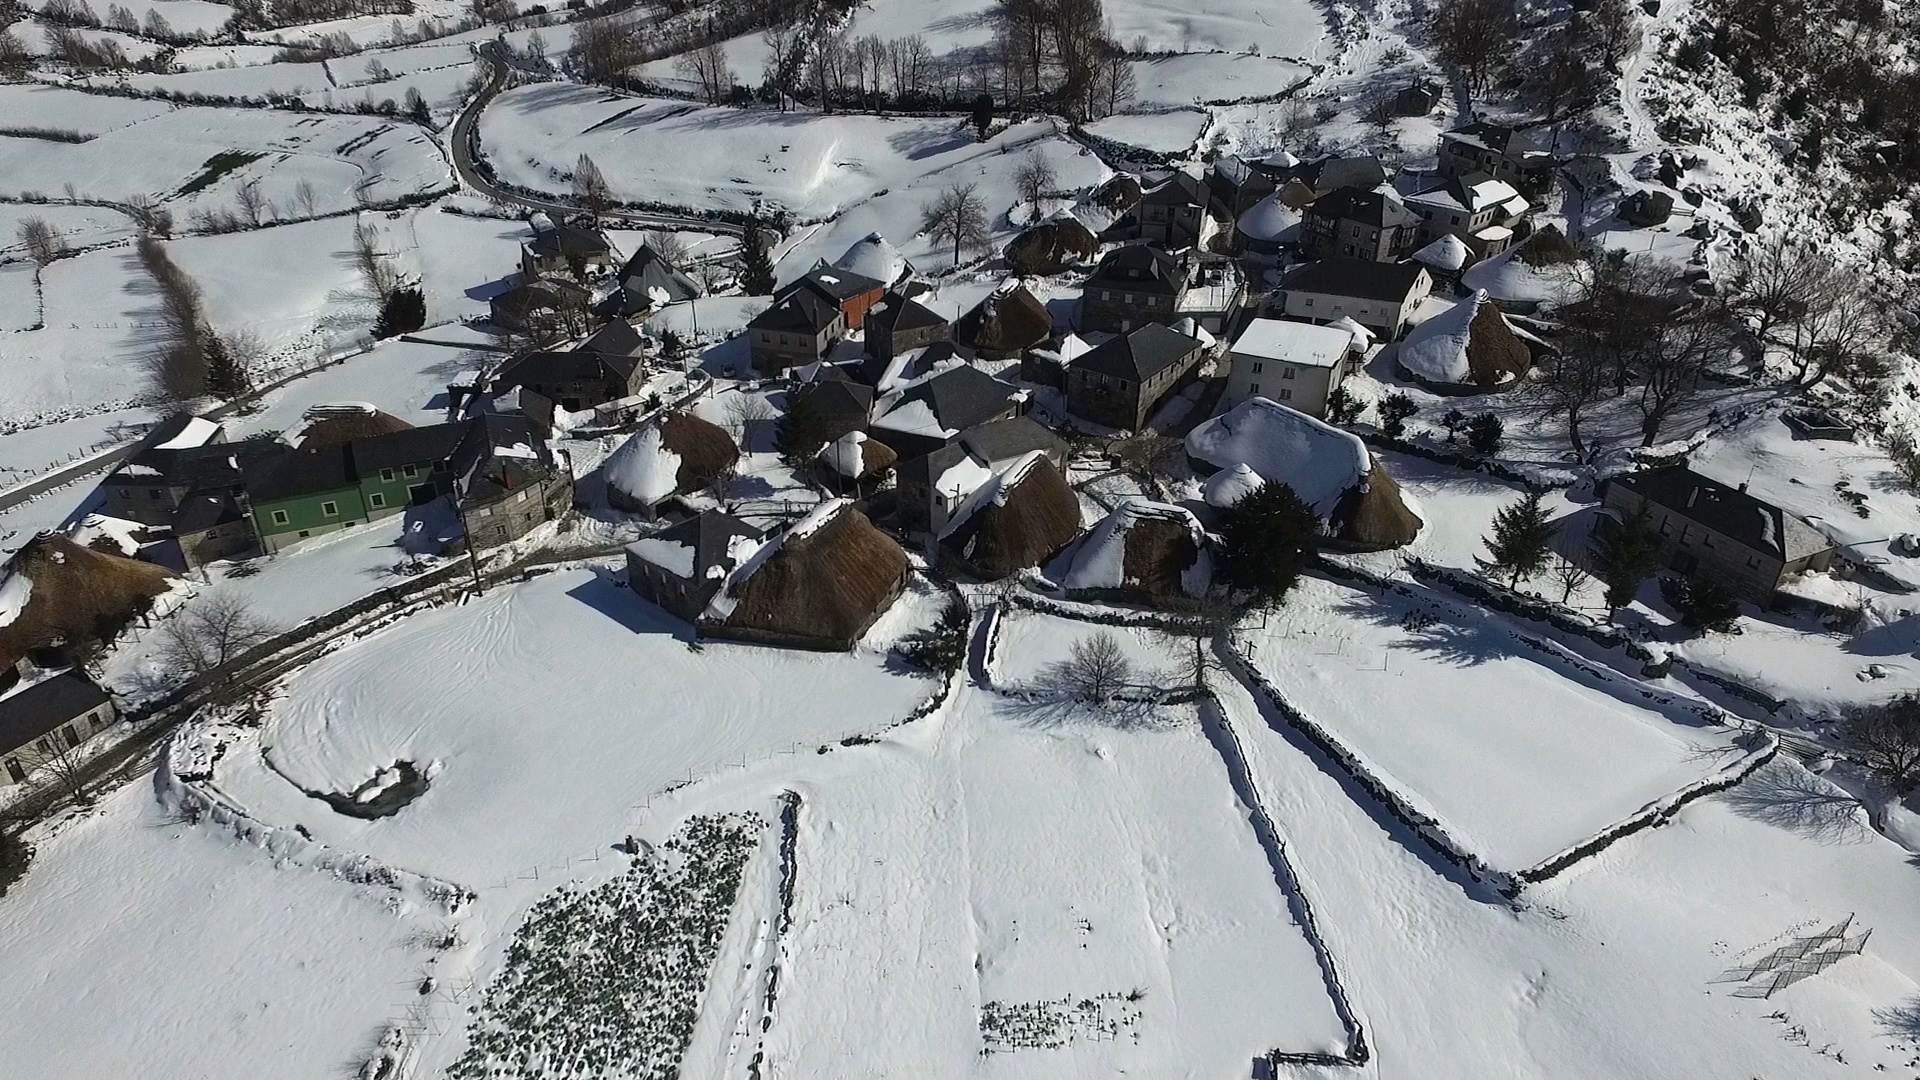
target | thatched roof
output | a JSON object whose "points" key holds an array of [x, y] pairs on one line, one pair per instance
{"points": [[1019, 519], [1143, 548], [855, 456], [1005, 324], [1548, 246], [54, 589], [1470, 344], [1373, 516], [678, 454], [705, 449], [337, 425], [825, 580], [1051, 246]]}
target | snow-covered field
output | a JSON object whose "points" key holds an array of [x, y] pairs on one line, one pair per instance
{"points": [[1493, 738], [1032, 642]]}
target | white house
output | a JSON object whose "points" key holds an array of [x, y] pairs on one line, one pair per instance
{"points": [[1295, 363], [1378, 296]]}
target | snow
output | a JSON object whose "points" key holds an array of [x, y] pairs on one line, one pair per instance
{"points": [[197, 431], [673, 557], [994, 491], [1230, 485], [1436, 350], [844, 455], [1505, 277], [748, 564], [16, 589], [1098, 559], [1172, 132], [962, 478], [1297, 343], [1318, 461], [1449, 252], [1031, 642], [1496, 739], [1195, 78], [643, 469], [1270, 220], [873, 256]]}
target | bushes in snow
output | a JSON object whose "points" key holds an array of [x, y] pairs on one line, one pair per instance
{"points": [[607, 981], [404, 312], [1703, 603], [1885, 737]]}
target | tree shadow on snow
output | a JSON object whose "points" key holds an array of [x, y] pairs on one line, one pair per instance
{"points": [[1432, 633], [1794, 799], [1900, 1021], [1047, 703]]}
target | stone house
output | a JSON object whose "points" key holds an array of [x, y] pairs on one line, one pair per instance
{"points": [[1180, 212], [897, 324], [800, 328], [934, 410], [1121, 382], [1479, 210], [930, 487], [149, 484], [1303, 183], [1294, 363], [606, 367], [541, 306], [1500, 152], [1721, 533], [680, 569], [1378, 296], [569, 250], [852, 293], [1140, 284], [1355, 223], [44, 715]]}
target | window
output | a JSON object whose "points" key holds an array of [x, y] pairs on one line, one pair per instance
{"points": [[1256, 367], [1253, 388], [329, 509], [72, 736], [386, 476], [304, 533], [279, 517], [1129, 298], [413, 470], [1753, 562], [14, 770], [376, 500], [1309, 301], [1286, 373], [1455, 218], [153, 493], [1666, 527], [1286, 394]]}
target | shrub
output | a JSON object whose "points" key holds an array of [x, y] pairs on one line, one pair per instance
{"points": [[1702, 603], [1394, 414], [404, 312], [1485, 433]]}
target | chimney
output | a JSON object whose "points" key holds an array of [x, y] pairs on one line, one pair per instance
{"points": [[1692, 495], [1743, 486]]}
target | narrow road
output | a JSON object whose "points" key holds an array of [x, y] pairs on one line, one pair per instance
{"points": [[463, 141]]}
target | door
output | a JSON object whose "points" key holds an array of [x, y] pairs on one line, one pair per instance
{"points": [[420, 494], [16, 771]]}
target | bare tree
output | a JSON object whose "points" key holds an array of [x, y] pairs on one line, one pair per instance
{"points": [[42, 241], [1775, 285], [212, 632], [1576, 380], [745, 413], [1672, 361], [1842, 326], [957, 215], [1885, 737], [305, 197], [179, 362], [57, 754], [377, 277], [707, 68], [590, 187], [1095, 670], [1474, 37], [668, 246], [1569, 575], [252, 203], [603, 49], [1035, 178]]}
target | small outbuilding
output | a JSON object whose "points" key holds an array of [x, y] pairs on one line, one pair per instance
{"points": [[1143, 552], [55, 593], [854, 460], [819, 584], [1646, 208], [1468, 349], [1005, 324], [1052, 246], [1020, 518], [683, 567], [676, 455]]}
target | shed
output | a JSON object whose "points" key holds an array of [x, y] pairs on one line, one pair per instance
{"points": [[1468, 349], [1143, 551], [678, 454]]}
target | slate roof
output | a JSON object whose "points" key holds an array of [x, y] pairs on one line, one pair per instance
{"points": [[544, 293], [835, 284], [710, 534], [1332, 173], [294, 473], [615, 349], [896, 312], [41, 707], [1139, 354], [414, 446], [1362, 278], [1181, 189], [922, 471], [1375, 208], [484, 475], [959, 397], [1499, 138], [648, 270], [1140, 268], [567, 239], [1732, 513], [203, 510], [800, 310], [1004, 440]]}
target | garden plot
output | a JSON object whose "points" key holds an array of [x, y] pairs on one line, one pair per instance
{"points": [[1192, 78], [193, 157], [1173, 132], [255, 81], [201, 57], [682, 154], [553, 709], [1292, 28], [988, 897], [19, 299], [31, 105], [184, 16], [1475, 727], [191, 954], [100, 321], [1032, 642], [78, 226]]}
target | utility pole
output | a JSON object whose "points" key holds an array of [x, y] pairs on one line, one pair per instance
{"points": [[473, 558]]}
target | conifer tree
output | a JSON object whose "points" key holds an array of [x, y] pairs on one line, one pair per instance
{"points": [[1522, 540]]}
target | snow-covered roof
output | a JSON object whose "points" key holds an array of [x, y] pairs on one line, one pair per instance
{"points": [[1449, 252], [1436, 350], [722, 604], [1268, 219], [16, 589], [670, 555], [846, 455], [1362, 337], [1099, 560], [643, 468], [1298, 343], [962, 478], [1280, 159], [874, 257], [197, 431], [1506, 277], [1229, 486], [1318, 461], [994, 491]]}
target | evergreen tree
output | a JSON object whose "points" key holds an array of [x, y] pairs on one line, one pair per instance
{"points": [[1703, 604], [1625, 554], [1485, 433], [1394, 413], [1341, 406], [983, 115], [801, 432], [225, 377], [404, 312], [1522, 540], [1454, 421], [757, 278], [1266, 540]]}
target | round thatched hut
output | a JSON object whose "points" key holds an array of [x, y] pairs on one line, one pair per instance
{"points": [[1019, 519], [1230, 485], [1143, 551], [1005, 324], [1052, 246], [676, 455], [855, 458], [1467, 349], [56, 592], [821, 584]]}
